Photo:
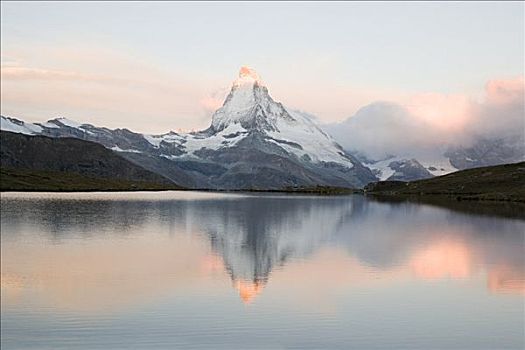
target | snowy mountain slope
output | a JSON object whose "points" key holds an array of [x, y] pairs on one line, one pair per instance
{"points": [[489, 151], [250, 109], [407, 168], [253, 142], [18, 126], [400, 169]]}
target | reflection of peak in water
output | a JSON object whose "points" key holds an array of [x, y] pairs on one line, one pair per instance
{"points": [[255, 235], [248, 290]]}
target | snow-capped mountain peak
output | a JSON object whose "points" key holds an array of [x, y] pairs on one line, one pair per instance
{"points": [[67, 122], [250, 105], [250, 110]]}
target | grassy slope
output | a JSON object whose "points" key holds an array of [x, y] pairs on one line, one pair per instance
{"points": [[499, 183], [39, 180]]}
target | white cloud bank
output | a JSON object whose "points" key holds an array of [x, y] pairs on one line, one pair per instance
{"points": [[428, 121]]}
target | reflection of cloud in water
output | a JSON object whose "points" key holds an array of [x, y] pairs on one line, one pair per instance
{"points": [[434, 242], [100, 274], [442, 259], [505, 279]]}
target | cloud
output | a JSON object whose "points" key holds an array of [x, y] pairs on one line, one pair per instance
{"points": [[210, 103], [214, 100], [122, 89], [101, 87], [423, 122], [378, 129], [505, 91], [447, 112], [25, 73], [503, 111]]}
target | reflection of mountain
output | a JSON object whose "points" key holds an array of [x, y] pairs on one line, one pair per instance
{"points": [[252, 234], [255, 235]]}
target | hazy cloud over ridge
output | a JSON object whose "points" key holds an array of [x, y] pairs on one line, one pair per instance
{"points": [[428, 121]]}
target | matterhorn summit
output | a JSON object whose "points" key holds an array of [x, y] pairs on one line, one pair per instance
{"points": [[264, 144], [249, 104], [247, 75], [250, 110]]}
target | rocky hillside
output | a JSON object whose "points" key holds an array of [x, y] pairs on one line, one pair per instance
{"points": [[39, 162]]}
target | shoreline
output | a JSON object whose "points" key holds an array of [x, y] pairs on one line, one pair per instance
{"points": [[439, 197]]}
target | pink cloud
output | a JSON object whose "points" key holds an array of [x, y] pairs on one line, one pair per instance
{"points": [[25, 73], [430, 120], [500, 110], [505, 91], [446, 112], [443, 259], [210, 103], [100, 87]]}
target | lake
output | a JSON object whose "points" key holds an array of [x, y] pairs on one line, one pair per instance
{"points": [[184, 270]]}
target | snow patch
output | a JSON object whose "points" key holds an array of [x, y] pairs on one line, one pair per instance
{"points": [[435, 164], [171, 137], [118, 149], [49, 125], [314, 142], [382, 169], [438, 165], [20, 127], [195, 142], [154, 140], [69, 122]]}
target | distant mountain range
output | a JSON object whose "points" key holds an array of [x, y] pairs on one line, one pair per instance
{"points": [[256, 143]]}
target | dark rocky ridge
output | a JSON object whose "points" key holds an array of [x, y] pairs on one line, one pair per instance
{"points": [[71, 156], [408, 170]]}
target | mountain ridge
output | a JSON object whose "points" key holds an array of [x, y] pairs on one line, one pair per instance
{"points": [[253, 142], [46, 163]]}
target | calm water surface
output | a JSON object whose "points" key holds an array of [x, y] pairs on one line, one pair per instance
{"points": [[220, 271]]}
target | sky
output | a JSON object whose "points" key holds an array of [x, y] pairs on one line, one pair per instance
{"points": [[159, 66]]}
